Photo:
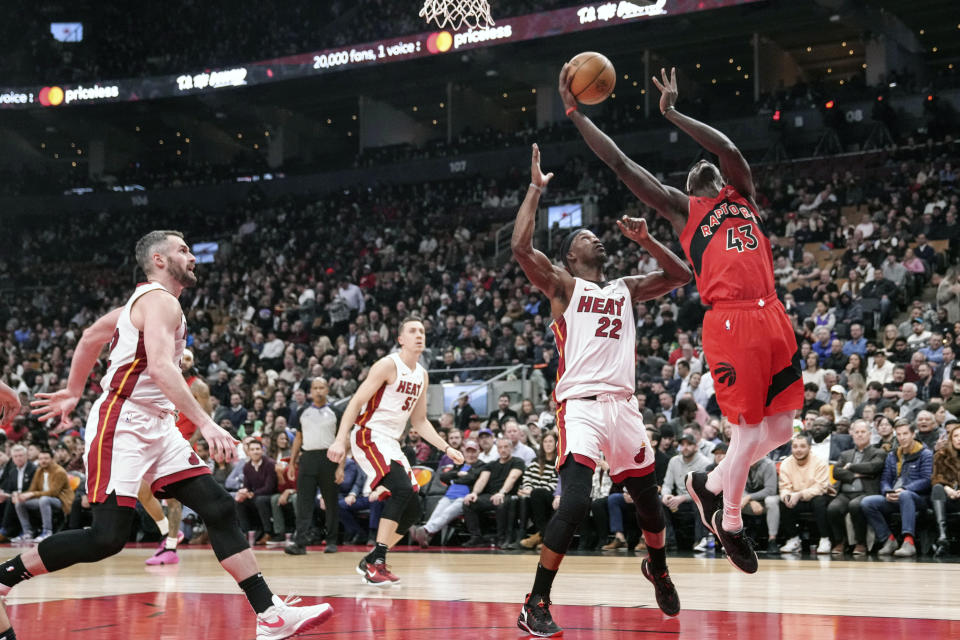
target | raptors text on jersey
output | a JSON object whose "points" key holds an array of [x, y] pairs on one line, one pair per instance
{"points": [[728, 249]]}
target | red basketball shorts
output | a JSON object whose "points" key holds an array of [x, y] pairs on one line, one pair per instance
{"points": [[752, 353]]}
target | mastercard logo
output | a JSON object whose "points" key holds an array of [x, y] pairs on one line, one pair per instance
{"points": [[439, 42], [50, 96]]}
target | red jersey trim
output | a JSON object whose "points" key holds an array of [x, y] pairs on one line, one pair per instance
{"points": [[372, 406]]}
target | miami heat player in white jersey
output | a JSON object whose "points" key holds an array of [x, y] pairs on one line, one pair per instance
{"points": [[127, 373], [378, 429], [389, 410], [131, 430], [595, 338]]}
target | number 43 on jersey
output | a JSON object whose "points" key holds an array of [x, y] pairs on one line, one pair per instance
{"points": [[741, 238]]}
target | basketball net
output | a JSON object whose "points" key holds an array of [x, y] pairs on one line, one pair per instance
{"points": [[474, 14]]}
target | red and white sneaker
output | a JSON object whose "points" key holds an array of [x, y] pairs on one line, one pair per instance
{"points": [[376, 573], [283, 620]]}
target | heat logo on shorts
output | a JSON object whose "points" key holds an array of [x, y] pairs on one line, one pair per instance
{"points": [[193, 459], [724, 373]]}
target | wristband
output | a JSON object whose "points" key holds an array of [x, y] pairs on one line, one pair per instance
{"points": [[664, 112], [571, 110], [540, 189]]}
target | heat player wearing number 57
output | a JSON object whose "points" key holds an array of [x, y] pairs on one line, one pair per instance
{"points": [[596, 339]]}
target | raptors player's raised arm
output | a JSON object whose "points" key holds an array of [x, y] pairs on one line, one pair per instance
{"points": [[673, 271], [554, 282], [670, 203], [382, 371], [426, 429], [61, 403], [733, 166]]}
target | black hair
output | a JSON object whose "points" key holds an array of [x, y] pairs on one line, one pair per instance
{"points": [[565, 245]]}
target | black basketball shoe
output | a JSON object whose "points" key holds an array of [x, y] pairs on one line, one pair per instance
{"points": [[536, 620], [667, 598], [707, 502], [737, 545]]}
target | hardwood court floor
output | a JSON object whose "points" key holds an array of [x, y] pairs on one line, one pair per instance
{"points": [[476, 595]]}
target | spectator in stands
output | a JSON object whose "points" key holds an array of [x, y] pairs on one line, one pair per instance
{"points": [[928, 432], [823, 317], [703, 445], [488, 449], [948, 295], [880, 369], [804, 479], [760, 496], [857, 474], [933, 351], [949, 397], [462, 412], [497, 483], [460, 479], [856, 343], [16, 477], [919, 335], [812, 373], [253, 498], [822, 344], [236, 414], [538, 493], [49, 490], [810, 401], [945, 481], [283, 503], [503, 410], [351, 499], [454, 439], [511, 430], [680, 510], [904, 488], [910, 404]]}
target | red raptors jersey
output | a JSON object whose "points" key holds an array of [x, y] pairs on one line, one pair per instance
{"points": [[730, 253], [183, 423]]}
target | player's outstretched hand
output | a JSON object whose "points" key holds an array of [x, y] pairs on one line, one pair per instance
{"points": [[222, 445], [566, 95], [59, 404], [10, 403], [634, 228], [668, 88], [537, 176], [455, 455], [336, 452]]}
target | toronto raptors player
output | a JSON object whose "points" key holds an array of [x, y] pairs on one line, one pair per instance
{"points": [[394, 392], [169, 525], [748, 340], [596, 338], [132, 438]]}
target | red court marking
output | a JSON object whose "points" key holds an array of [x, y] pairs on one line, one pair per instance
{"points": [[174, 616]]}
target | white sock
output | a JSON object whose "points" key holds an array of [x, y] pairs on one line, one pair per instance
{"points": [[164, 526], [171, 543]]}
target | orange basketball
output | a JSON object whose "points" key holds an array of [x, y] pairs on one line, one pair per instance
{"points": [[593, 77]]}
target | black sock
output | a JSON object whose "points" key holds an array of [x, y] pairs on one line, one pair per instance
{"points": [[257, 592], [658, 559], [12, 572], [379, 553], [8, 635], [543, 582]]}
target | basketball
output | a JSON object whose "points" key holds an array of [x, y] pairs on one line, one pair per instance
{"points": [[594, 77]]}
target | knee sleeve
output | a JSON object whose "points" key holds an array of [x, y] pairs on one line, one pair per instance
{"points": [[401, 492], [643, 490], [217, 510], [576, 481], [410, 516], [106, 537]]}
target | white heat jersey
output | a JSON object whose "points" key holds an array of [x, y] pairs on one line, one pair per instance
{"points": [[596, 339], [389, 409], [128, 373]]}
